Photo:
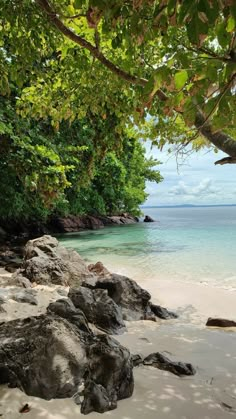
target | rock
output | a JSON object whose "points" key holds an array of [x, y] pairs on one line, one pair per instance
{"points": [[127, 294], [110, 366], [49, 357], [24, 296], [46, 262], [66, 309], [98, 269], [13, 264], [148, 219], [63, 292], [95, 399], [162, 312], [44, 354], [218, 322], [75, 223], [136, 360], [98, 308], [161, 362], [20, 280]]}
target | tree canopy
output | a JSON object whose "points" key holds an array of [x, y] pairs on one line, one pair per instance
{"points": [[81, 168], [169, 67]]}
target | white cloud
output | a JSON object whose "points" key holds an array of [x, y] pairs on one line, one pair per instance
{"points": [[204, 187], [197, 181]]}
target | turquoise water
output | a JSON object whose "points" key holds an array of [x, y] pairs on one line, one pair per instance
{"points": [[187, 244]]}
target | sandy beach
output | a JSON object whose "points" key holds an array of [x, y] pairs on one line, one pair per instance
{"points": [[210, 394]]}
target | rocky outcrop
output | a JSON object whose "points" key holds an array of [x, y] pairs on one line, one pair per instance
{"points": [[148, 219], [87, 222], [99, 309], [218, 322], [47, 262], [133, 300], [50, 357], [161, 362]]}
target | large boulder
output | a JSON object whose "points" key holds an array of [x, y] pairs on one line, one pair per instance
{"points": [[47, 262], [132, 299], [126, 293], [99, 308], [49, 357]]}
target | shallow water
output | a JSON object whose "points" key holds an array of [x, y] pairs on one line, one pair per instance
{"points": [[188, 244]]}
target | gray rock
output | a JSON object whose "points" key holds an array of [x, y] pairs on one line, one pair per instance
{"points": [[24, 296], [66, 309], [20, 280], [218, 322], [46, 262], [98, 308], [127, 294], [49, 357], [161, 362], [162, 312], [96, 399], [136, 360], [63, 292]]}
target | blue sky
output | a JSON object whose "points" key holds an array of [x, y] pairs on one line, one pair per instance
{"points": [[196, 181]]}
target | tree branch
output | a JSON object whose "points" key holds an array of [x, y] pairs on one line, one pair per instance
{"points": [[220, 140], [96, 53]]}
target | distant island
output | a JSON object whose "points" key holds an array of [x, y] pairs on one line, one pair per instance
{"points": [[187, 206]]}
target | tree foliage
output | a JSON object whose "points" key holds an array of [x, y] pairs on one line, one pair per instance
{"points": [[173, 60], [83, 167]]}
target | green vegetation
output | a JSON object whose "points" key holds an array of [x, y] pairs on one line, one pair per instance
{"points": [[81, 168], [174, 60], [88, 71]]}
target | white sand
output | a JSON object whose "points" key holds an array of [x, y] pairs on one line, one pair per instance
{"points": [[210, 394]]}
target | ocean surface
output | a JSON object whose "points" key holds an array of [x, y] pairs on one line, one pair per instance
{"points": [[188, 244]]}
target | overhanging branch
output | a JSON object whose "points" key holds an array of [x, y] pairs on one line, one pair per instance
{"points": [[219, 139], [95, 52]]}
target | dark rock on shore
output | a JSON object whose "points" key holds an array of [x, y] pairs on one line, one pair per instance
{"points": [[218, 322], [98, 308], [66, 309], [46, 262], [136, 360], [133, 300], [161, 362], [148, 219], [163, 313], [50, 357]]}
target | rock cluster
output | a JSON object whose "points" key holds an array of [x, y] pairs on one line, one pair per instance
{"points": [[46, 262], [51, 357], [60, 353]]}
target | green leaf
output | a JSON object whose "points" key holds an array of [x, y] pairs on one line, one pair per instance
{"points": [[180, 79], [230, 24], [78, 4]]}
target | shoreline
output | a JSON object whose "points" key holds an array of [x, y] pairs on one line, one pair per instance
{"points": [[210, 394]]}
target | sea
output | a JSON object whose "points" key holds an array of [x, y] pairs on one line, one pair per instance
{"points": [[192, 244]]}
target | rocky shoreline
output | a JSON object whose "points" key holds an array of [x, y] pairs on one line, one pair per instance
{"points": [[65, 348], [23, 230]]}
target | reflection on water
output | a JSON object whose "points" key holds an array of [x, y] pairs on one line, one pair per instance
{"points": [[193, 244]]}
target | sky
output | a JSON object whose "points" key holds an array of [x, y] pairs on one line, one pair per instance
{"points": [[196, 181]]}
